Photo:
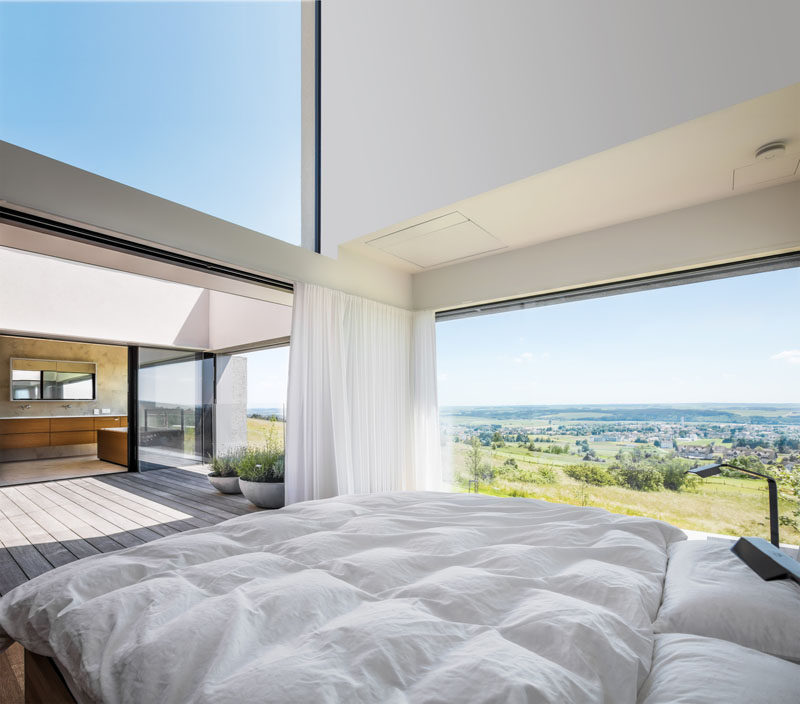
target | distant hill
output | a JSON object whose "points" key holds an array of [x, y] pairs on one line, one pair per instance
{"points": [[762, 414], [266, 412]]}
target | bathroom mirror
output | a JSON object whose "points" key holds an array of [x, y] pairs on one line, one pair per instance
{"points": [[52, 380]]}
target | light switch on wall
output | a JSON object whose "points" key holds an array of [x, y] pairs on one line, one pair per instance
{"points": [[97, 411], [106, 410]]}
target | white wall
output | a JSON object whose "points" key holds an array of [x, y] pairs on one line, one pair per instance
{"points": [[761, 223], [45, 296], [425, 103], [235, 321]]}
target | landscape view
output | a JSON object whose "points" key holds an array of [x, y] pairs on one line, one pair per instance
{"points": [[608, 401], [266, 427], [632, 459]]}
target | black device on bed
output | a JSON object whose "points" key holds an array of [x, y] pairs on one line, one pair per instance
{"points": [[765, 559]]}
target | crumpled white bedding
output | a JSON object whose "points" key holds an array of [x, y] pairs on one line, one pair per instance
{"points": [[404, 597]]}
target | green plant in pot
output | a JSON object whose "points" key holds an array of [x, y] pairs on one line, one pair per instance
{"points": [[261, 477], [224, 474]]}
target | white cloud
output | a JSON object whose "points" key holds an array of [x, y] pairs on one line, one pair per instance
{"points": [[529, 357], [791, 356]]}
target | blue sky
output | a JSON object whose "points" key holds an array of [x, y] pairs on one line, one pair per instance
{"points": [[195, 102], [727, 341]]}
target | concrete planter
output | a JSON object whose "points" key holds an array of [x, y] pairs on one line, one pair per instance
{"points": [[263, 494], [225, 485]]}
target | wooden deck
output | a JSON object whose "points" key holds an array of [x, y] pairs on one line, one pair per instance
{"points": [[49, 524]]}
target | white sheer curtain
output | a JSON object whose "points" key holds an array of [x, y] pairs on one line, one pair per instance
{"points": [[362, 391], [425, 405]]}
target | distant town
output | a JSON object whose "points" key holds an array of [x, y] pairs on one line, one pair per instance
{"points": [[768, 433], [634, 459]]}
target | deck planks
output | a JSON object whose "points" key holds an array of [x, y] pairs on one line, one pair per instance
{"points": [[49, 524]]}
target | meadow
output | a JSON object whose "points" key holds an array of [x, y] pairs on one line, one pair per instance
{"points": [[725, 505], [265, 433]]}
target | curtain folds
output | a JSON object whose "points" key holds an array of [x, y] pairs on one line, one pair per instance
{"points": [[362, 412]]}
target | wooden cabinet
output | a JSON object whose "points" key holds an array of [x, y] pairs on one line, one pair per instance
{"points": [[13, 441], [73, 437], [112, 445], [42, 432], [24, 425], [60, 425]]}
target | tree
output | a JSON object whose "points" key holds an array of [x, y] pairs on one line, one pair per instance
{"points": [[476, 467], [673, 474], [750, 462], [590, 474], [789, 489], [640, 478]]}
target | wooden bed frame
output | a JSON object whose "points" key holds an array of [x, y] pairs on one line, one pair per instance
{"points": [[44, 684]]}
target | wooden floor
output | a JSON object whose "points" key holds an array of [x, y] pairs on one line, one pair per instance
{"points": [[32, 471], [49, 524], [12, 680]]}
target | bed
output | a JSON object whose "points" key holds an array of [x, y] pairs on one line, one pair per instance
{"points": [[402, 597]]}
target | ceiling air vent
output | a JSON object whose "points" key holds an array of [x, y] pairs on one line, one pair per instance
{"points": [[438, 241]]}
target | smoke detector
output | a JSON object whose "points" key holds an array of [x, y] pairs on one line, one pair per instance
{"points": [[770, 150], [772, 165]]}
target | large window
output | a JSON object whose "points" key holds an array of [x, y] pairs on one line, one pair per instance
{"points": [[195, 102], [606, 402], [171, 415], [251, 400]]}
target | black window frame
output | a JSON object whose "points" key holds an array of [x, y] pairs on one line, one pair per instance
{"points": [[756, 265]]}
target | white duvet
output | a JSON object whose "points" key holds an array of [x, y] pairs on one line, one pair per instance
{"points": [[409, 597]]}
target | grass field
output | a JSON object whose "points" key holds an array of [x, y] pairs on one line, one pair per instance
{"points": [[717, 505], [262, 432]]}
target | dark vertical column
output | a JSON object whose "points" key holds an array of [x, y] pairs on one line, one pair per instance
{"points": [[133, 409], [204, 440], [318, 126]]}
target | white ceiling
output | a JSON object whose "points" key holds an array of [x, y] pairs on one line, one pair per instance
{"points": [[688, 164]]}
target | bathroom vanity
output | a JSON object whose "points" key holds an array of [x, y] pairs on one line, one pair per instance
{"points": [[38, 433]]}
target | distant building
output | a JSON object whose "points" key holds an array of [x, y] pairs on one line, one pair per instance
{"points": [[695, 452]]}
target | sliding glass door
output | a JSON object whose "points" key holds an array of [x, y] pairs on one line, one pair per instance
{"points": [[173, 412]]}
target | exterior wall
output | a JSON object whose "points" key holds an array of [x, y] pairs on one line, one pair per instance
{"points": [[112, 376], [230, 419]]}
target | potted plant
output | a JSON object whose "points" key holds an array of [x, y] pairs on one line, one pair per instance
{"points": [[224, 475], [261, 477]]}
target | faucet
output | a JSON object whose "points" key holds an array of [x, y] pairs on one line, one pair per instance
{"points": [[66, 405], [25, 406]]}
